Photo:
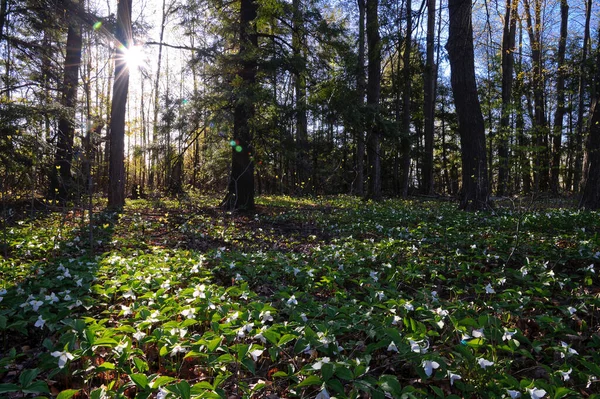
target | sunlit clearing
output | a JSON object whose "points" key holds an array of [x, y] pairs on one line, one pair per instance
{"points": [[133, 57]]}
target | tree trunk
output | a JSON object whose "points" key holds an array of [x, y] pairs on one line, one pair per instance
{"points": [[560, 99], [582, 87], [373, 93], [61, 183], [540, 128], [302, 148], [471, 127], [240, 195], [360, 87], [429, 101], [116, 173], [508, 48], [405, 138], [590, 198]]}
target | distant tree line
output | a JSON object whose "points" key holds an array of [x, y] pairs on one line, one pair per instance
{"points": [[371, 97]]}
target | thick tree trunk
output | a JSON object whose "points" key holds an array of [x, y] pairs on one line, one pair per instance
{"points": [[373, 93], [577, 174], [475, 194], [61, 182], [540, 128], [508, 48], [590, 198], [302, 148], [240, 194], [116, 172], [429, 101], [360, 87], [406, 71], [560, 99]]}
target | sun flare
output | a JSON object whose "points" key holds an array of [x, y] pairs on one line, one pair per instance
{"points": [[133, 57]]}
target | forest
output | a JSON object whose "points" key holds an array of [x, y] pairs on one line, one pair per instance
{"points": [[311, 199]]}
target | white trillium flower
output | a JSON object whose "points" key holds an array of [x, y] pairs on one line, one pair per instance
{"points": [[320, 363], [373, 275], [178, 349], [507, 336], [513, 394], [429, 366], [40, 322], [162, 394], [489, 289], [566, 375], [323, 395], [392, 347], [419, 346], [484, 363], [266, 316], [396, 320], [188, 313], [139, 335], [292, 300], [572, 310], [256, 354], [126, 310], [536, 393], [63, 358], [35, 305], [303, 317], [52, 298], [199, 291], [478, 333], [409, 306], [380, 295], [453, 377], [570, 351]]}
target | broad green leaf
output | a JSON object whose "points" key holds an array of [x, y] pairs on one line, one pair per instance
{"points": [[561, 392], [213, 344], [140, 380], [285, 339], [160, 381], [27, 376], [310, 380], [7, 388], [67, 394], [327, 370], [37, 387], [106, 366], [140, 364], [390, 384], [344, 372]]}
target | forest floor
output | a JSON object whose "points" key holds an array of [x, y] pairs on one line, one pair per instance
{"points": [[302, 298]]}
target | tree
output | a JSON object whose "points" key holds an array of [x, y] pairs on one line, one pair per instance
{"points": [[360, 87], [475, 194], [406, 114], [590, 198], [61, 184], [560, 98], [116, 173], [373, 93], [240, 192], [429, 101], [508, 48]]}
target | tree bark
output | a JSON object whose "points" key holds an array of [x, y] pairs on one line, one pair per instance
{"points": [[116, 173], [61, 183], [429, 101], [373, 93], [240, 195], [302, 149], [560, 99], [590, 198], [406, 71], [577, 174], [475, 194], [540, 128], [360, 87], [508, 48]]}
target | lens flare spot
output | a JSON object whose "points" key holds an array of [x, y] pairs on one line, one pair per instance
{"points": [[238, 148], [97, 25], [232, 143]]}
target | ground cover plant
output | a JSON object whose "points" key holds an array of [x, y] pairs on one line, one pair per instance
{"points": [[303, 298]]}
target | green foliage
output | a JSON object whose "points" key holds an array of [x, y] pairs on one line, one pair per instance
{"points": [[398, 298]]}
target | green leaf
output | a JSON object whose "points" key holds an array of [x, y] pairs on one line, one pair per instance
{"points": [[561, 392], [336, 386], [390, 384], [140, 364], [327, 371], [184, 389], [67, 394], [160, 381], [6, 388], [105, 366], [437, 391], [249, 364], [3, 321], [285, 339], [310, 380], [213, 344], [344, 373], [37, 387], [27, 376], [105, 341], [271, 336], [140, 380]]}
